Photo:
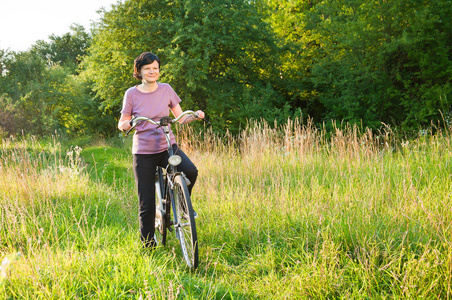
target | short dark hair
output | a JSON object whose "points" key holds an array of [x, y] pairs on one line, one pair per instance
{"points": [[143, 59]]}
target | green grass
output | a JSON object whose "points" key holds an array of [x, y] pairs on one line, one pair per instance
{"points": [[284, 213]]}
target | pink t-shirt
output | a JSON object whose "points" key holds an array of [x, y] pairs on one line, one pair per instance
{"points": [[148, 139]]}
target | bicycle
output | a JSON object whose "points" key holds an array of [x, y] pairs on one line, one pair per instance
{"points": [[172, 191]]}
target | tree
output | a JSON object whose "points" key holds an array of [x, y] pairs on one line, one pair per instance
{"points": [[218, 55], [375, 61], [66, 50], [39, 92], [25, 85]]}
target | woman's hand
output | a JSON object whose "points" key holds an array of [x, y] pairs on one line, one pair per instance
{"points": [[200, 114], [124, 122]]}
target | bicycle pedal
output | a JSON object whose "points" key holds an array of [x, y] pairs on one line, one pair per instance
{"points": [[170, 229]]}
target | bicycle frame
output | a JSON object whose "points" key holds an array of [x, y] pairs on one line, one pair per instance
{"points": [[171, 186]]}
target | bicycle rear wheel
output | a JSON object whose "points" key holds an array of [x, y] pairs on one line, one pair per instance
{"points": [[160, 212], [186, 227]]}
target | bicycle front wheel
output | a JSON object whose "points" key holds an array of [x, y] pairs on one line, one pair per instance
{"points": [[185, 222]]}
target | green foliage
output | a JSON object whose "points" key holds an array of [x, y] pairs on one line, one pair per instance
{"points": [[375, 61], [66, 50], [289, 21], [29, 84], [40, 91], [344, 60], [212, 53]]}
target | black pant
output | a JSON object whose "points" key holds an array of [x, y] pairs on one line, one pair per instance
{"points": [[144, 167]]}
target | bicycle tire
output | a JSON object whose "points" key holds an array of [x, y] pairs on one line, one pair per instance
{"points": [[186, 229], [160, 211]]}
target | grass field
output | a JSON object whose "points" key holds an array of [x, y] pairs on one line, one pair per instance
{"points": [[287, 213]]}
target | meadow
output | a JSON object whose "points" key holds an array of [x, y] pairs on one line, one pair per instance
{"points": [[292, 212]]}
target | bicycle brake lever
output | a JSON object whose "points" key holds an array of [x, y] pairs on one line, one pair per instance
{"points": [[203, 119], [126, 133], [131, 124]]}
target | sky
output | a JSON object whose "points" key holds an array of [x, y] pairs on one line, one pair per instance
{"points": [[23, 22]]}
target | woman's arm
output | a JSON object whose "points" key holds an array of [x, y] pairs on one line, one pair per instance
{"points": [[177, 110], [123, 123]]}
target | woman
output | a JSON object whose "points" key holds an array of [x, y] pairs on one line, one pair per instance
{"points": [[154, 100]]}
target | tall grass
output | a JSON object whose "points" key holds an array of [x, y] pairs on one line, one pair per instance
{"points": [[289, 212]]}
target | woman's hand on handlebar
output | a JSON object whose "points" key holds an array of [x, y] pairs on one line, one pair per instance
{"points": [[124, 122], [127, 123], [200, 114]]}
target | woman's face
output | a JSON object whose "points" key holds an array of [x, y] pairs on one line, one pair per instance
{"points": [[150, 73]]}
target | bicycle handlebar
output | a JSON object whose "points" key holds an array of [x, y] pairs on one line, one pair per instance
{"points": [[164, 121]]}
